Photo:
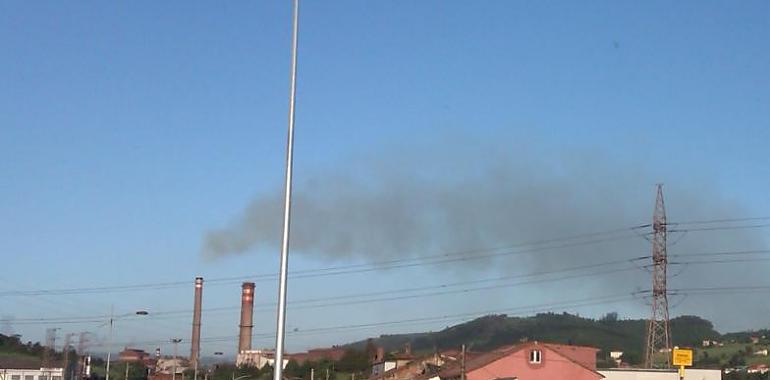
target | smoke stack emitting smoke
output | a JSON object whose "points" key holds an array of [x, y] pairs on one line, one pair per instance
{"points": [[247, 311], [195, 345]]}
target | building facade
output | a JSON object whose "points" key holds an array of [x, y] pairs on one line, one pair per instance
{"points": [[31, 373], [12, 368], [659, 374], [257, 358], [528, 361]]}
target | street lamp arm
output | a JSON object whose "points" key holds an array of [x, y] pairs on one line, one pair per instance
{"points": [[114, 318], [111, 322]]}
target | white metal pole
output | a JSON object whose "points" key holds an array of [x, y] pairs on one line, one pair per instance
{"points": [[281, 318]]}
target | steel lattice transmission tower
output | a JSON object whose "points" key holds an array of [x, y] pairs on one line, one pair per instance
{"points": [[658, 332]]}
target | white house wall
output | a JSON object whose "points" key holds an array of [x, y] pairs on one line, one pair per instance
{"points": [[689, 374]]}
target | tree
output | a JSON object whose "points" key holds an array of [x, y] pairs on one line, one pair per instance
{"points": [[293, 369], [736, 360], [353, 361]]}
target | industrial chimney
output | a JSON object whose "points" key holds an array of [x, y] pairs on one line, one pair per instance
{"points": [[247, 311], [195, 346]]}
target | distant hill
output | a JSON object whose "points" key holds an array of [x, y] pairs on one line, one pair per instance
{"points": [[744, 336], [608, 333]]}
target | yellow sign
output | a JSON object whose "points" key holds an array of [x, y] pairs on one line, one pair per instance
{"points": [[682, 357]]}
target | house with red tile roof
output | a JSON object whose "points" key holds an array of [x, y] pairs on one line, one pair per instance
{"points": [[526, 361]]}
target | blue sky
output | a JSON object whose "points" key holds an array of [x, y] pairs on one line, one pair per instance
{"points": [[127, 131]]}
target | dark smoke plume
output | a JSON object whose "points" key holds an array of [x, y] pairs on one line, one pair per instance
{"points": [[428, 203], [394, 210]]}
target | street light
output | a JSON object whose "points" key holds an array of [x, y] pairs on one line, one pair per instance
{"points": [[112, 320]]}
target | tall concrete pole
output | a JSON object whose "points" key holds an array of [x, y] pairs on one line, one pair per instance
{"points": [[281, 317]]}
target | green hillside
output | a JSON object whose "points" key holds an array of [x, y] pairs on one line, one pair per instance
{"points": [[608, 333]]}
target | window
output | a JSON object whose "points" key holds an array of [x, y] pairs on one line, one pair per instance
{"points": [[56, 377], [42, 377], [29, 377], [15, 377], [535, 357]]}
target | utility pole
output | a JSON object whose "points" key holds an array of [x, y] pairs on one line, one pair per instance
{"points": [[128, 365], [658, 332], [109, 342], [312, 373], [176, 343], [462, 364], [327, 373]]}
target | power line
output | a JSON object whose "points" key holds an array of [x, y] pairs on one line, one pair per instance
{"points": [[424, 291], [518, 310], [445, 258], [360, 298], [710, 290], [722, 228], [722, 261], [589, 301], [722, 289], [727, 220], [347, 269], [723, 253]]}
